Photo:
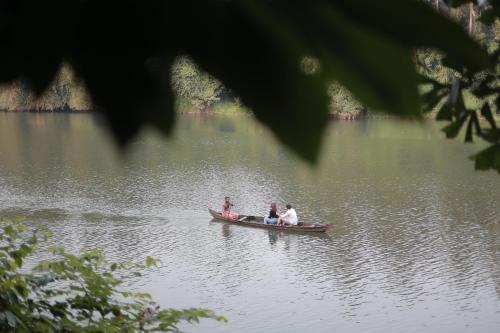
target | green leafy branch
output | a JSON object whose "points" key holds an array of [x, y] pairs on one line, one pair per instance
{"points": [[480, 85], [76, 292]]}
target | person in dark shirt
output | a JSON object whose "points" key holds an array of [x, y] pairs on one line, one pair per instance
{"points": [[273, 216]]}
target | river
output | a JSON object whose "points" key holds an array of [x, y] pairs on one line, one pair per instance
{"points": [[415, 244]]}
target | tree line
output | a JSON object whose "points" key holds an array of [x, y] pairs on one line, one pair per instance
{"points": [[197, 90]]}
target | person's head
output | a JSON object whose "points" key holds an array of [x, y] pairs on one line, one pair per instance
{"points": [[273, 207], [226, 199], [288, 206]]}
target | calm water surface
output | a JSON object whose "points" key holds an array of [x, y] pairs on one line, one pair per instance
{"points": [[415, 245]]}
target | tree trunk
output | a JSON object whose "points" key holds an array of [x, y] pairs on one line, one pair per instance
{"points": [[471, 17]]}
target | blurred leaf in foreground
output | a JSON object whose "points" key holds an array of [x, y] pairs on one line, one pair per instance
{"points": [[124, 51]]}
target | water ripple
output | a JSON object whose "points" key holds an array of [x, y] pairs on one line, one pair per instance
{"points": [[415, 244]]}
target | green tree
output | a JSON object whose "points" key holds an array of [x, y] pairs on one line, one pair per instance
{"points": [[463, 96], [193, 85], [343, 105], [76, 292], [64, 93]]}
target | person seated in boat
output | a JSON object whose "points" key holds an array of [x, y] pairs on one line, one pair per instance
{"points": [[289, 217], [273, 216], [226, 210]]}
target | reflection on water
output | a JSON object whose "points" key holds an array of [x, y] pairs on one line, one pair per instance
{"points": [[415, 244]]}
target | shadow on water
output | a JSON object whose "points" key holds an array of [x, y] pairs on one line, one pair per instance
{"points": [[227, 126], [273, 236]]}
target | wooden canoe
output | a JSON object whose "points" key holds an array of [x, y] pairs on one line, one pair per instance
{"points": [[258, 222]]}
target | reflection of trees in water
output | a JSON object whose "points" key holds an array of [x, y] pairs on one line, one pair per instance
{"points": [[227, 125]]}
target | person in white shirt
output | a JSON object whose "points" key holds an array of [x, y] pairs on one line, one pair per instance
{"points": [[289, 218]]}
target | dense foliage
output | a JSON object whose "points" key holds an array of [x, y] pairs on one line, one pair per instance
{"points": [[463, 96], [65, 93], [191, 84], [75, 292]]}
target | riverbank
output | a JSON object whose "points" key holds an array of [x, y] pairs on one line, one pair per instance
{"points": [[218, 109], [228, 108], [236, 108], [52, 110]]}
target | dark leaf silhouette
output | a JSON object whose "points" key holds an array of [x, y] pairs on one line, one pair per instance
{"points": [[488, 158], [123, 51], [453, 129]]}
